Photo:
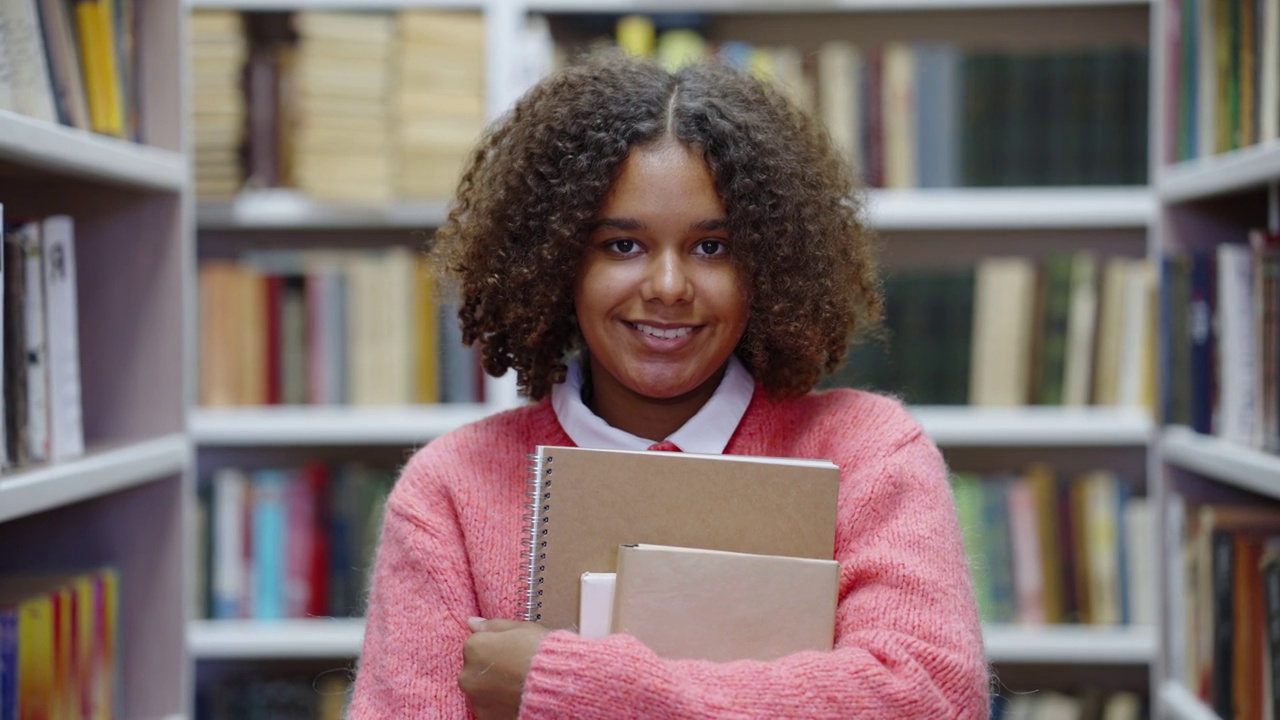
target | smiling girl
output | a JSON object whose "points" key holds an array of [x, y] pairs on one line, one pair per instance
{"points": [[667, 262]]}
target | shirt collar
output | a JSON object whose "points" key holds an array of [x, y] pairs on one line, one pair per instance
{"points": [[707, 432]]}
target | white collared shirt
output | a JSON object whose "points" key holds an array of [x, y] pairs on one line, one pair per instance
{"points": [[707, 432]]}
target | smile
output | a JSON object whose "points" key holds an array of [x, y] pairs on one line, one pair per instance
{"points": [[664, 333]]}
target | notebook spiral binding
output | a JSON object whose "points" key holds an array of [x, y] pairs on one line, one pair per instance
{"points": [[535, 521]]}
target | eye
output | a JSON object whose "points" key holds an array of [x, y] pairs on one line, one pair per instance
{"points": [[711, 248], [622, 247]]}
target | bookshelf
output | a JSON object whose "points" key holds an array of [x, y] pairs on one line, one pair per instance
{"points": [[122, 503], [294, 639], [933, 218]]}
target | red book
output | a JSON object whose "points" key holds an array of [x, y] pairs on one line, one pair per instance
{"points": [[275, 297], [316, 476]]}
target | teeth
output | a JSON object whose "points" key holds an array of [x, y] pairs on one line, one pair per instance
{"points": [[664, 334]]}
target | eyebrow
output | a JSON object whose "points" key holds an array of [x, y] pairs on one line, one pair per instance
{"points": [[631, 224]]}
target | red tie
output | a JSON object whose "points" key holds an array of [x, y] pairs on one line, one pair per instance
{"points": [[664, 446]]}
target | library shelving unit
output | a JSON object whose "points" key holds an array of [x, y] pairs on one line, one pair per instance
{"points": [[124, 502], [927, 221]]}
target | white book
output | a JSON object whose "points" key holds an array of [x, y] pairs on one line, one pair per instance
{"points": [[1131, 376], [595, 606], [839, 69], [1138, 559], [1270, 80], [1082, 318], [29, 78], [33, 330], [230, 498], [1206, 82], [1237, 363], [66, 424]]}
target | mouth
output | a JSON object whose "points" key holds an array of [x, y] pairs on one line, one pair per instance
{"points": [[667, 333]]}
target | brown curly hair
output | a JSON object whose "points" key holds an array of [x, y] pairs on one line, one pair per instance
{"points": [[516, 235]]}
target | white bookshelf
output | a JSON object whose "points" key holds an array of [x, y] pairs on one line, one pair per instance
{"points": [[72, 153], [285, 209], [330, 425], [1011, 208], [275, 639], [343, 638], [98, 473], [1242, 169], [1035, 426], [795, 6], [1226, 462], [1073, 644], [284, 5], [1175, 702]]}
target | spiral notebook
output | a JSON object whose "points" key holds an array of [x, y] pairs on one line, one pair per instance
{"points": [[584, 503]]}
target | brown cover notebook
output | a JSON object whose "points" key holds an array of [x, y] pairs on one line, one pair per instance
{"points": [[585, 503], [687, 603]]}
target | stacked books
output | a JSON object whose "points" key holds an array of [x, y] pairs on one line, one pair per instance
{"points": [[343, 146], [218, 52], [439, 99]]}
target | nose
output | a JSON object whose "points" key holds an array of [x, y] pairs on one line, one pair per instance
{"points": [[668, 280]]}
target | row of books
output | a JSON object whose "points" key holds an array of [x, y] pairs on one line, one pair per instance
{"points": [[315, 327], [1090, 704], [59, 646], [356, 108], [1222, 84], [1225, 605], [1045, 549], [288, 542], [1222, 341], [937, 115], [40, 362], [1071, 330], [72, 62], [277, 697]]}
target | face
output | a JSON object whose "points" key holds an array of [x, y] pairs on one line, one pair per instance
{"points": [[658, 300]]}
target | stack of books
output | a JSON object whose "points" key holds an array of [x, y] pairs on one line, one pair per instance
{"points": [[218, 53]]}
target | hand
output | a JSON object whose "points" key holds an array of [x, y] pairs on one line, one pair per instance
{"points": [[496, 659]]}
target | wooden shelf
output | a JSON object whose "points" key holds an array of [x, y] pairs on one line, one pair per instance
{"points": [[1227, 462], [36, 145], [1176, 702], [773, 6], [102, 472], [960, 426], [343, 638], [282, 639], [1011, 208], [283, 209], [1130, 645], [330, 425], [1240, 169]]}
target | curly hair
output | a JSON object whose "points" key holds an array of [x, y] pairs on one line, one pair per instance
{"points": [[516, 235]]}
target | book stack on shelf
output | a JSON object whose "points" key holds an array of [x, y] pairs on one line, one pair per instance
{"points": [[1047, 550], [218, 51], [280, 543], [41, 357], [93, 494], [1219, 483], [74, 63], [1122, 705], [360, 109], [1081, 334]]}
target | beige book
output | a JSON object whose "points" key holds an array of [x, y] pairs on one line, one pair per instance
{"points": [[212, 23], [431, 104], [899, 116], [1003, 331], [345, 27], [442, 27], [839, 72], [1111, 312], [586, 502], [687, 603], [1082, 317]]}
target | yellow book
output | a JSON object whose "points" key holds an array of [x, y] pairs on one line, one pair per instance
{"points": [[37, 675], [108, 585], [98, 62], [428, 349], [636, 36]]}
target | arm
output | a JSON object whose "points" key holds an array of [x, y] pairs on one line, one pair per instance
{"points": [[908, 642], [421, 597]]}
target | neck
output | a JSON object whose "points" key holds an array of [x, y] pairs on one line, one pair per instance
{"points": [[651, 418]]}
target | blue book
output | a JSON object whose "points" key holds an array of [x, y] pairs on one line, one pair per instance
{"points": [[8, 664], [1200, 328], [269, 530]]}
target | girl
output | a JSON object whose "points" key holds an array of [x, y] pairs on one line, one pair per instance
{"points": [[672, 262]]}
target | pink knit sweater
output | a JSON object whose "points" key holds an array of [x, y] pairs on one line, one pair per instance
{"points": [[908, 642]]}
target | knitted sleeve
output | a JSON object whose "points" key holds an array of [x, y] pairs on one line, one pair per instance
{"points": [[421, 597], [908, 641]]}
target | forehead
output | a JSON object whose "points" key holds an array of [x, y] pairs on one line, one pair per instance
{"points": [[666, 177]]}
